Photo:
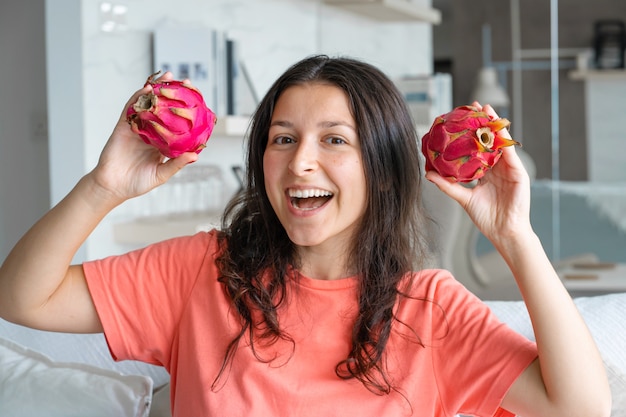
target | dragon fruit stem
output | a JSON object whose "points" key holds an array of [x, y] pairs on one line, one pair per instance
{"points": [[485, 137], [145, 102], [151, 78]]}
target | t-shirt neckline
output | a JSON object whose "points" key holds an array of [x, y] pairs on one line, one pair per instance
{"points": [[322, 284]]}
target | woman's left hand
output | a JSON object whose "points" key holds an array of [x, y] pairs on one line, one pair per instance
{"points": [[558, 382], [499, 204]]}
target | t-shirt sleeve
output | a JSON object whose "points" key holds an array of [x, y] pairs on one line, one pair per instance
{"points": [[140, 296], [480, 357]]}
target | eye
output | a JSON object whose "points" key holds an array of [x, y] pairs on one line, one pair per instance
{"points": [[335, 140], [283, 140]]}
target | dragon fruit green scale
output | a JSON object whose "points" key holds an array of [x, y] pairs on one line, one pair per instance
{"points": [[464, 143], [173, 118]]}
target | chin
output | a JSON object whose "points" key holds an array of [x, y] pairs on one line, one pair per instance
{"points": [[304, 241]]}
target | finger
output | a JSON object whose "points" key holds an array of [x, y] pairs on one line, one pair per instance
{"points": [[510, 155], [172, 166], [450, 187], [477, 105], [490, 111], [167, 76]]}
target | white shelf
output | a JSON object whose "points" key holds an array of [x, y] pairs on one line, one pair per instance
{"points": [[604, 278], [152, 230], [389, 10], [231, 126], [598, 74]]}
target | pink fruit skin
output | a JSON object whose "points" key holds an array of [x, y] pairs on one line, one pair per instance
{"points": [[173, 118], [464, 143]]}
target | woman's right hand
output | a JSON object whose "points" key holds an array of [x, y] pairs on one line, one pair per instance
{"points": [[128, 167], [38, 285]]}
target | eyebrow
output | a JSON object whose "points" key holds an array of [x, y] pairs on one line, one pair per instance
{"points": [[331, 123], [281, 123], [325, 124]]}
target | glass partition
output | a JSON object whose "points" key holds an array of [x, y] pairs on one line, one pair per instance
{"points": [[567, 101]]}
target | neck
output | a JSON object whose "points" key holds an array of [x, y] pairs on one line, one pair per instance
{"points": [[318, 264]]}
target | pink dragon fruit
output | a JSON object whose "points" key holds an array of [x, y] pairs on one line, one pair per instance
{"points": [[173, 118], [464, 143]]}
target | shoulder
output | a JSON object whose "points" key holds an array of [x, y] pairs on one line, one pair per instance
{"points": [[434, 284], [435, 295], [198, 244], [191, 246], [181, 254]]}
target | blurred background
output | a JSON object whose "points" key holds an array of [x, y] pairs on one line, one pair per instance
{"points": [[556, 71]]}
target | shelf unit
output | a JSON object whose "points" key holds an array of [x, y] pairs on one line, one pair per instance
{"points": [[231, 126], [598, 74], [152, 230], [389, 10], [604, 104]]}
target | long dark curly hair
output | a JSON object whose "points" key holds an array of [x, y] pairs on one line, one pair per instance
{"points": [[257, 253]]}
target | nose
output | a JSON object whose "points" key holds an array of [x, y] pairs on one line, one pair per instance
{"points": [[305, 158]]}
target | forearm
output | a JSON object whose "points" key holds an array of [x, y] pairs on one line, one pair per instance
{"points": [[39, 262], [570, 364]]}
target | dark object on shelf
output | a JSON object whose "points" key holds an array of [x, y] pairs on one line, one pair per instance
{"points": [[239, 174], [609, 43]]}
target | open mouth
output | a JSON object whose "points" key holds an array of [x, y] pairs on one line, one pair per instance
{"points": [[309, 199]]}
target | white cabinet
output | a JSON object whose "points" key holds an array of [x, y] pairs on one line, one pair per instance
{"points": [[605, 103], [389, 10], [231, 126]]}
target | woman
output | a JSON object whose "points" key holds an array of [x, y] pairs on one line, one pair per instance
{"points": [[305, 303]]}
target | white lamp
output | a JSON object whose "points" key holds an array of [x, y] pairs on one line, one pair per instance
{"points": [[488, 90]]}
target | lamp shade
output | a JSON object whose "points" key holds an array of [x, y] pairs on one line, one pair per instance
{"points": [[487, 90]]}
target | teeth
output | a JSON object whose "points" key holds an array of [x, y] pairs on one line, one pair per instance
{"points": [[309, 193]]}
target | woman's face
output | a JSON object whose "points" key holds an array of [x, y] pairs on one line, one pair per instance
{"points": [[313, 168]]}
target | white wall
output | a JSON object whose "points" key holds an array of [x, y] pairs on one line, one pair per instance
{"points": [[24, 194], [96, 72], [605, 102]]}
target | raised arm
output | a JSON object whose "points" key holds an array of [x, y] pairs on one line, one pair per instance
{"points": [[38, 286], [568, 379]]}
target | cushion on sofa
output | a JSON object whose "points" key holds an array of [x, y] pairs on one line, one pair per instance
{"points": [[617, 380], [161, 404], [605, 315], [32, 384], [89, 349]]}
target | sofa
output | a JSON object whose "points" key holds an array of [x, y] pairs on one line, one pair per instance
{"points": [[56, 374]]}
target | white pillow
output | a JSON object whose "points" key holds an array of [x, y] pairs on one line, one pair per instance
{"points": [[605, 316], [617, 380], [91, 349], [161, 404], [31, 385]]}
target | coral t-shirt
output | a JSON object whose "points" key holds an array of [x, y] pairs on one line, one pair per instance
{"points": [[163, 305]]}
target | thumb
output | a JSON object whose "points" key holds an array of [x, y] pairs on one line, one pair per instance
{"points": [[170, 167], [454, 190]]}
